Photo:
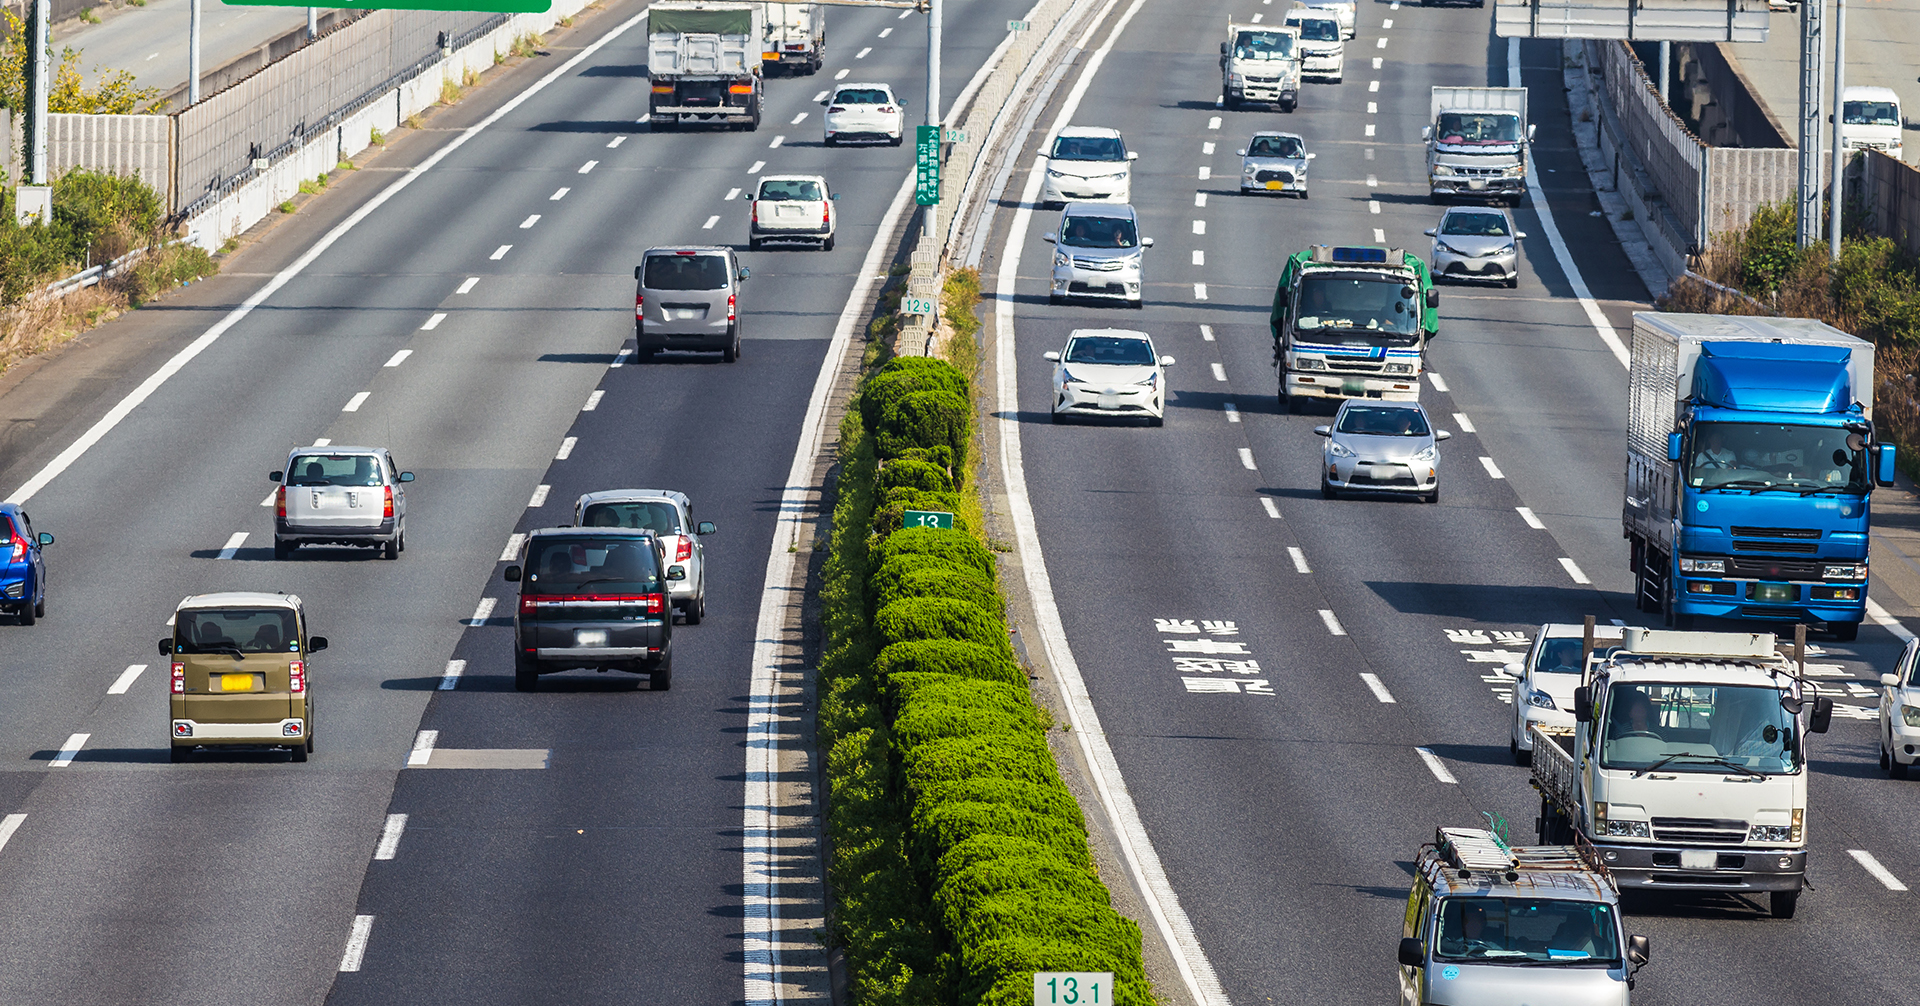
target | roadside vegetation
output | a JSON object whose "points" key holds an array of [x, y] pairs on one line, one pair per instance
{"points": [[114, 94], [1872, 291], [958, 858]]}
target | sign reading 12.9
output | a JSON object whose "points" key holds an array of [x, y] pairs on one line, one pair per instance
{"points": [[1072, 988]]}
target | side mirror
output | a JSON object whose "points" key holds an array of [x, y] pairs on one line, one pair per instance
{"points": [[1638, 951], [1530, 130], [902, 102], [1519, 235], [1132, 155], [1433, 298], [1426, 132], [1241, 152], [1673, 447], [316, 643], [1442, 435], [274, 476], [1883, 464], [636, 272], [1890, 680], [1583, 704], [1822, 715], [1312, 156], [833, 195], [1146, 242], [1223, 48], [1412, 954], [511, 574], [1513, 671], [1166, 361], [677, 573], [1049, 237], [1430, 231], [1323, 431], [1051, 356], [745, 272], [166, 647], [44, 538], [705, 527], [406, 476]]}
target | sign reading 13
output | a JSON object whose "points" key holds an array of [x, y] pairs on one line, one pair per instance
{"points": [[1072, 988]]}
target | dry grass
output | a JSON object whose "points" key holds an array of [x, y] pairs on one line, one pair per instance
{"points": [[39, 324]]}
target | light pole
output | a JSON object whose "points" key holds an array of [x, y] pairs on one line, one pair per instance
{"points": [[39, 80], [1839, 118], [1812, 14], [193, 52], [930, 223], [313, 22]]}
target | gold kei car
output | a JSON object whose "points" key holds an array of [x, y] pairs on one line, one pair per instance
{"points": [[241, 676]]}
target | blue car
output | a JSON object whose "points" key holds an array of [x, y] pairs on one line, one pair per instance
{"points": [[23, 579]]}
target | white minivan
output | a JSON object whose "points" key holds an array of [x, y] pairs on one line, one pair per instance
{"points": [[1870, 120]]}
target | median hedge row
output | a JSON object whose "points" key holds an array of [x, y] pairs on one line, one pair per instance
{"points": [[958, 857]]}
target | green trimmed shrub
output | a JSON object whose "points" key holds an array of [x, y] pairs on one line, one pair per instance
{"points": [[949, 582], [1052, 801], [1004, 756], [954, 657], [887, 576], [956, 548], [939, 825], [999, 971], [890, 515], [925, 419], [902, 376], [910, 473], [940, 618], [957, 707], [938, 456]]}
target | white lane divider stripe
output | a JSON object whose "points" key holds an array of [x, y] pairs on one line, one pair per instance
{"points": [[1493, 470], [1880, 873], [1219, 372], [1886, 621], [1213, 122], [1299, 558], [8, 825], [559, 194], [1333, 624], [1199, 257], [615, 142], [822, 96], [1379, 236], [357, 943], [450, 678], [233, 544], [1439, 383], [1200, 198], [755, 169], [1206, 173], [126, 679], [467, 287], [842, 75], [710, 222], [499, 253], [1379, 690], [1206, 333], [1199, 291], [272, 497], [1437, 767], [529, 221], [1573, 570], [777, 141], [512, 551], [483, 609], [1232, 411], [354, 403], [620, 358], [593, 400], [1466, 425], [584, 168], [1200, 226], [1246, 460], [1526, 514], [1376, 62], [1370, 133], [1272, 509], [390, 837], [423, 744], [433, 321], [1381, 44], [732, 194], [566, 448], [539, 497], [398, 358], [798, 119], [69, 750], [1373, 206], [862, 54]]}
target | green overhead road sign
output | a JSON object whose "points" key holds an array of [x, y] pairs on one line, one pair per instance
{"points": [[927, 518], [491, 6], [926, 165]]}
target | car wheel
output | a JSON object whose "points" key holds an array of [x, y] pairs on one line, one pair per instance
{"points": [[1054, 298], [827, 245], [829, 142], [1055, 418], [282, 551], [1783, 903], [297, 753], [1432, 497], [27, 614], [1513, 281], [40, 607], [177, 754], [894, 141], [1520, 758], [391, 550], [661, 677], [526, 674], [1895, 770], [695, 609], [1156, 421], [643, 354], [1886, 760], [1327, 491]]}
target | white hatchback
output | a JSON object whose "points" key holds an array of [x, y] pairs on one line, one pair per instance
{"points": [[791, 207], [864, 112], [1547, 677], [1110, 372], [1088, 164]]}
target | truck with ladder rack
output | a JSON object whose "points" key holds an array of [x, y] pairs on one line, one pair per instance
{"points": [[1353, 322]]}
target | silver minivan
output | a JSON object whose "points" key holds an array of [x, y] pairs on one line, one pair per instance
{"points": [[340, 496], [1098, 254], [669, 515], [688, 298]]}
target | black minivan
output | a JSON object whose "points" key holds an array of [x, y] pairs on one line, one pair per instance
{"points": [[592, 598]]}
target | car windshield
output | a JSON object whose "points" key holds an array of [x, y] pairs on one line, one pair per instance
{"points": [[781, 190], [1871, 113], [1478, 127], [1713, 729], [658, 516], [1559, 656], [587, 565], [685, 272], [1526, 931], [1116, 350], [1088, 148], [1316, 29], [1276, 146], [1362, 311], [1379, 421], [1764, 457], [231, 630], [1478, 225], [1263, 45], [1098, 232], [334, 470], [862, 96]]}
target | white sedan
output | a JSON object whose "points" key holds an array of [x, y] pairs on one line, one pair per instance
{"points": [[864, 112], [1900, 714], [1109, 372], [1548, 676]]}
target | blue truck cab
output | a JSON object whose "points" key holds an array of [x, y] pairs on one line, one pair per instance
{"points": [[1751, 461]]}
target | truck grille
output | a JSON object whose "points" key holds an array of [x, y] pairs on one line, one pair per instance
{"points": [[1753, 567], [1354, 368], [1776, 532], [1698, 831], [1807, 547]]}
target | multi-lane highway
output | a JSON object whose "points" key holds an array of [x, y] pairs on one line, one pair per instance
{"points": [[1336, 693], [472, 322]]}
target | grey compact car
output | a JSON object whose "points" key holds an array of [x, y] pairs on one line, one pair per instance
{"points": [[688, 298], [340, 496], [592, 598], [1476, 243], [1275, 162], [1380, 446], [669, 515], [1098, 253]]}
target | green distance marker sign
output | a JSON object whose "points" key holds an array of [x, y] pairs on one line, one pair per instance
{"points": [[477, 6], [927, 518]]}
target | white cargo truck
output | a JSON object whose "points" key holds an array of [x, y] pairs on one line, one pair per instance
{"points": [[705, 63], [795, 39], [1686, 766], [1260, 65], [1477, 139]]}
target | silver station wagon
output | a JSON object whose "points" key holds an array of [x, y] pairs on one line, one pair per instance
{"points": [[340, 496]]}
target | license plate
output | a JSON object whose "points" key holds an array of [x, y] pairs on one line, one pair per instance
{"points": [[1773, 592], [1698, 859], [687, 313], [236, 682], [1276, 185], [1354, 385], [590, 637], [787, 211]]}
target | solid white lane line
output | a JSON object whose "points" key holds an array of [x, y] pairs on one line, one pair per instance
{"points": [[398, 358], [1333, 624], [777, 141], [126, 679], [1213, 122], [1439, 383], [69, 750], [1438, 768], [357, 943], [539, 497], [616, 141], [710, 222], [1206, 172], [433, 321], [483, 609], [1299, 559], [593, 400], [8, 825], [798, 119], [1207, 147], [1199, 257], [390, 837], [1573, 570], [559, 194], [467, 287], [755, 169], [589, 166], [233, 544], [423, 743], [499, 253], [1526, 514], [731, 195], [1880, 873], [566, 448], [1206, 333], [862, 54], [354, 403], [1559, 245], [842, 75], [530, 221], [1232, 411], [1882, 618], [1200, 199], [1493, 470], [1466, 425], [1266, 503], [450, 678], [1199, 291], [1379, 690], [512, 551], [1246, 460], [1219, 372]]}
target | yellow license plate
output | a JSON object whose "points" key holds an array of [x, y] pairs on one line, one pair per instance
{"points": [[1276, 185], [236, 682]]}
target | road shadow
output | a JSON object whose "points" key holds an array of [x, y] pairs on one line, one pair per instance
{"points": [[1472, 602], [1211, 401], [630, 70], [596, 359], [1474, 754], [122, 756], [413, 684], [589, 126], [1704, 905]]}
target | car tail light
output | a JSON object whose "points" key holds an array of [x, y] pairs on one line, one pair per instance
{"points": [[836, 108], [19, 549], [730, 307], [639, 305], [297, 676], [280, 502], [753, 211], [887, 108], [526, 604], [386, 508], [179, 678], [826, 214], [655, 603], [684, 550]]}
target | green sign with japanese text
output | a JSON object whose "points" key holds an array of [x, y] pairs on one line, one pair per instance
{"points": [[926, 165]]}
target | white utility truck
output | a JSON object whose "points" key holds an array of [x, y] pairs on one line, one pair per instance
{"points": [[795, 38], [1477, 139], [1687, 763], [1870, 120], [1260, 65], [704, 60]]}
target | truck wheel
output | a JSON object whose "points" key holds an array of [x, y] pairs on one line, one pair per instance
{"points": [[1845, 632], [1783, 903], [1520, 758]]}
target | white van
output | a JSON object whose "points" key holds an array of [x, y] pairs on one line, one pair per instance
{"points": [[1870, 119]]}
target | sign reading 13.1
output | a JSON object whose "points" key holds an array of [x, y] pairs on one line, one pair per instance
{"points": [[1072, 988]]}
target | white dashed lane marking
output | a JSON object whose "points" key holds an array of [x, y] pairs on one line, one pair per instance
{"points": [[1207, 147], [1379, 236], [1267, 504], [1573, 570], [589, 166], [798, 119], [1333, 624], [566, 448], [237, 539], [433, 321], [399, 357], [539, 497], [1370, 133], [1465, 424], [1493, 470], [1206, 333], [483, 610], [1880, 873], [1246, 460], [842, 75], [559, 194], [467, 287], [1438, 768], [450, 678], [500, 253], [354, 403], [1232, 411], [126, 679], [862, 54], [8, 825], [390, 835], [423, 744], [616, 141], [1379, 690], [1376, 62], [512, 551], [1299, 559], [1439, 383], [1219, 372], [357, 943], [69, 751], [530, 221], [1199, 257], [593, 400], [1213, 122], [1199, 291], [1200, 199], [1526, 514], [755, 168], [1200, 226], [1205, 173], [778, 140], [710, 222]]}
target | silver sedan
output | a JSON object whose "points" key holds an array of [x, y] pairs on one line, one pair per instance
{"points": [[1476, 243], [1381, 446]]}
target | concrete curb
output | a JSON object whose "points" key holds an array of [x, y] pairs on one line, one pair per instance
{"points": [[1623, 211]]}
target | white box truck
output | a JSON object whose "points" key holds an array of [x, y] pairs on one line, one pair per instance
{"points": [[795, 39], [1477, 140], [704, 61]]}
